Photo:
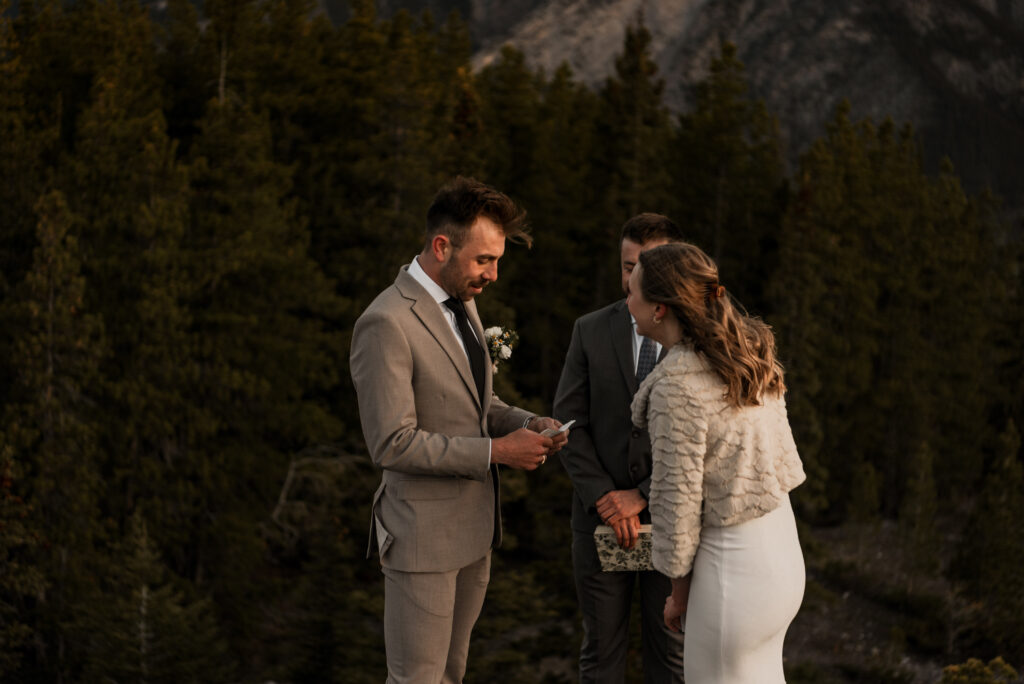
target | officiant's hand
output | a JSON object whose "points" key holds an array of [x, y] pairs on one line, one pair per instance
{"points": [[620, 503], [558, 441], [627, 531]]}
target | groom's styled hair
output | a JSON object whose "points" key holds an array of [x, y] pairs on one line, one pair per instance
{"points": [[458, 204]]}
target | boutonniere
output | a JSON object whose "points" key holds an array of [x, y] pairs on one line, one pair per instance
{"points": [[500, 342]]}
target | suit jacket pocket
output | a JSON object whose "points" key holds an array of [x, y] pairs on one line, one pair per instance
{"points": [[428, 489], [379, 535], [384, 538]]}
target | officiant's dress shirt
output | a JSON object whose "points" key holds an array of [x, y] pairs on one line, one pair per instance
{"points": [[638, 340]]}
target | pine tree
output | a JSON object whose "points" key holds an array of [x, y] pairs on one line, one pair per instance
{"points": [[23, 138], [511, 99], [49, 423], [358, 202], [463, 132], [562, 214], [185, 71], [20, 581], [231, 40], [920, 534], [880, 308], [992, 552], [1010, 331], [798, 328], [130, 191], [332, 630], [825, 298], [964, 327], [729, 180], [141, 627], [633, 136], [264, 363]]}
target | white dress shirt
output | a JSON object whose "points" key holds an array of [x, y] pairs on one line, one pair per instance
{"points": [[440, 296], [638, 339]]}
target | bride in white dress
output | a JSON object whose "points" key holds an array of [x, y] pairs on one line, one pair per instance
{"points": [[724, 463]]}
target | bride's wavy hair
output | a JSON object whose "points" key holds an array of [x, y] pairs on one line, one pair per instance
{"points": [[738, 346]]}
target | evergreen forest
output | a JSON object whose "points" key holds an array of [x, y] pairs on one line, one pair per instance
{"points": [[194, 209]]}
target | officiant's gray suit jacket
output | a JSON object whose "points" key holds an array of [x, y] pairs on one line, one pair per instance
{"points": [[437, 506], [605, 450]]}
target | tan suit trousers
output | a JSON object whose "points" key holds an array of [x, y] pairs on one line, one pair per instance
{"points": [[428, 617]]}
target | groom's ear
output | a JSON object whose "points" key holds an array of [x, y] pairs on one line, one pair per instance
{"points": [[441, 248]]}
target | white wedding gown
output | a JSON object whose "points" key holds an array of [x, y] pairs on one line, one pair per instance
{"points": [[747, 585]]}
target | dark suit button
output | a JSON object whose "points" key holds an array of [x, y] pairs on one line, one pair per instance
{"points": [[636, 433], [633, 469]]}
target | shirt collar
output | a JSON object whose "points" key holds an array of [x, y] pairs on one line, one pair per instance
{"points": [[435, 290]]}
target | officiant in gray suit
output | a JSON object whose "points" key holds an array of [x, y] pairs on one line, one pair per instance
{"points": [[609, 462]]}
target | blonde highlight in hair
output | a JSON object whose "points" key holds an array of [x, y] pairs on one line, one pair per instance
{"points": [[739, 347]]}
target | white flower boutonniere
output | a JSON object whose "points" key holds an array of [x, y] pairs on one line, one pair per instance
{"points": [[500, 342]]}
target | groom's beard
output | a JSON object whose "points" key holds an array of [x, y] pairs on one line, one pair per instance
{"points": [[455, 282]]}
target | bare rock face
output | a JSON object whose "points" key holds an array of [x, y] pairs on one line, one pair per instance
{"points": [[952, 68], [587, 34]]}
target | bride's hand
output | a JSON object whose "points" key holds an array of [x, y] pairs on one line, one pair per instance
{"points": [[674, 614], [675, 604]]}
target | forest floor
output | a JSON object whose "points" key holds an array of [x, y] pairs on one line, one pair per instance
{"points": [[872, 614], [866, 617]]}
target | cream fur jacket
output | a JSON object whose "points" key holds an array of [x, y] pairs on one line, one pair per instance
{"points": [[713, 464]]}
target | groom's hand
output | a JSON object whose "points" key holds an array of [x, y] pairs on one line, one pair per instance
{"points": [[620, 503], [523, 449], [542, 424]]}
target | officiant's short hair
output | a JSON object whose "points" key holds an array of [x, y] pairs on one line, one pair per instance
{"points": [[650, 226], [458, 204]]}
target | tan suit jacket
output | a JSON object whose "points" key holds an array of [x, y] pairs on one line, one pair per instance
{"points": [[437, 507]]}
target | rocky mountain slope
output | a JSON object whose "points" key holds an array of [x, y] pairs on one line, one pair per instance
{"points": [[952, 68]]}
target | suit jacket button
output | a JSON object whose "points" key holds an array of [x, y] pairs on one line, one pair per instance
{"points": [[636, 433]]}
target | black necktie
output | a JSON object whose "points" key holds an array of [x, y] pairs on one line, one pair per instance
{"points": [[648, 357], [473, 350]]}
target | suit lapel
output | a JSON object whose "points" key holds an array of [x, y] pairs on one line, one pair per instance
{"points": [[428, 311], [621, 331]]}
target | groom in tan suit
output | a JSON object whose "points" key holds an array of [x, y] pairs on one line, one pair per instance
{"points": [[432, 423]]}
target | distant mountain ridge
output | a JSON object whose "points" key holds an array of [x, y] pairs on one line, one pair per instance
{"points": [[952, 68]]}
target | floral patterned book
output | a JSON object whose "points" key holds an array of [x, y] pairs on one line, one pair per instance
{"points": [[614, 558]]}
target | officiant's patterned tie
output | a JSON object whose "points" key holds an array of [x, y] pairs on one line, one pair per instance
{"points": [[473, 350], [648, 357]]}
